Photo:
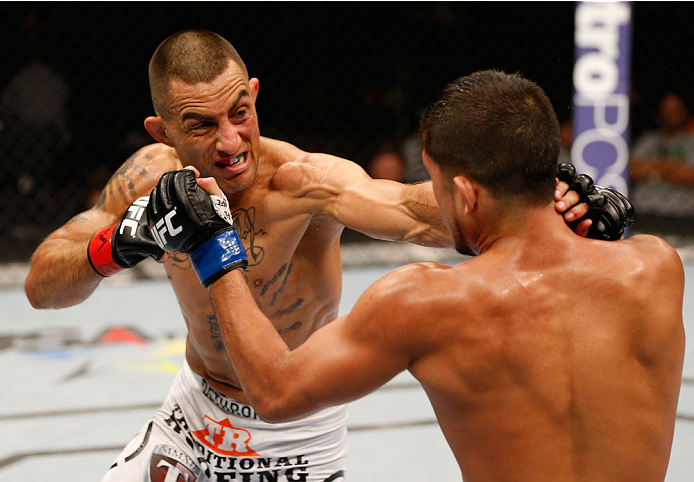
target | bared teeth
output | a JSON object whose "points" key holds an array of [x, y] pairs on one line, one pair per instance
{"points": [[231, 160], [235, 160]]}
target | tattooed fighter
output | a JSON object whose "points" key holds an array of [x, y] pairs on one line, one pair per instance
{"points": [[290, 208]]}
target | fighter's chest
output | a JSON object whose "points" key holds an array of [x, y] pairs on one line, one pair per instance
{"points": [[270, 237]]}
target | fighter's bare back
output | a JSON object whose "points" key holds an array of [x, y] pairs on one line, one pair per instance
{"points": [[535, 380]]}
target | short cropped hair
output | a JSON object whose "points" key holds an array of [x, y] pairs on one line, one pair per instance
{"points": [[499, 129], [192, 56]]}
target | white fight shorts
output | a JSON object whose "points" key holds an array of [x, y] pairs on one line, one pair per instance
{"points": [[201, 435]]}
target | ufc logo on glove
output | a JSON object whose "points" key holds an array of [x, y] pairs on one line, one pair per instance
{"points": [[133, 216], [163, 226], [205, 228]]}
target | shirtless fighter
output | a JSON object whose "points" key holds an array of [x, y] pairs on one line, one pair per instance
{"points": [[547, 357], [290, 208]]}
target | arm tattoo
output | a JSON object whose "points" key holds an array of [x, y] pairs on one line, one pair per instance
{"points": [[179, 261], [123, 176], [79, 219], [244, 222], [102, 199]]}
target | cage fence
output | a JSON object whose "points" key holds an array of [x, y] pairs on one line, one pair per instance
{"points": [[349, 79]]}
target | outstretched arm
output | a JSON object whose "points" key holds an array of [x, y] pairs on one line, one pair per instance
{"points": [[343, 361], [342, 191], [386, 209], [60, 274]]}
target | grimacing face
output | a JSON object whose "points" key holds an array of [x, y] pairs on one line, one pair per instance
{"points": [[214, 127]]}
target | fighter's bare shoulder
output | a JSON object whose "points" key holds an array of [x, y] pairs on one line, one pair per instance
{"points": [[413, 290], [137, 176], [641, 265], [654, 252], [409, 306], [307, 173]]}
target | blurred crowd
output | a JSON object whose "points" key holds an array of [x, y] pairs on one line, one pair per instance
{"points": [[72, 100], [661, 165], [662, 162]]}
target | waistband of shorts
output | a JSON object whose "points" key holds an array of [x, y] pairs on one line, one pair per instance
{"points": [[236, 408]]}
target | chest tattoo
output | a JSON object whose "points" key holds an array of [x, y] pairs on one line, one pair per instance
{"points": [[278, 283], [215, 333], [290, 308], [293, 327], [244, 222], [282, 274]]}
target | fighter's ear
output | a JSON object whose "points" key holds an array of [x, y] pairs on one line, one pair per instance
{"points": [[467, 191], [255, 85], [156, 127]]}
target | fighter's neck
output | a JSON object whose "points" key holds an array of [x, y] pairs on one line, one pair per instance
{"points": [[531, 227]]}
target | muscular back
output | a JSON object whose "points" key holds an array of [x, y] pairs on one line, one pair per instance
{"points": [[563, 364]]}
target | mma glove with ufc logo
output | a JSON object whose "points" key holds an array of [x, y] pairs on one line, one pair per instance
{"points": [[125, 244], [182, 217]]}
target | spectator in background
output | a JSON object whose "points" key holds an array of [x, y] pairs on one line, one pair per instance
{"points": [[387, 164], [399, 161], [662, 162], [666, 154]]}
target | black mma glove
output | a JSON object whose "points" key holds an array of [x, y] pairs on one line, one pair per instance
{"points": [[609, 210], [618, 214], [183, 217], [125, 244]]}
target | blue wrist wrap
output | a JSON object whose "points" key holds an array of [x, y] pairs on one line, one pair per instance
{"points": [[217, 256]]}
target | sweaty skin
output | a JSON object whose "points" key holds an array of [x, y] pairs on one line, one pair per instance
{"points": [[548, 357], [289, 207]]}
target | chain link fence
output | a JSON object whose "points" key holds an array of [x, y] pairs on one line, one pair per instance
{"points": [[349, 79]]}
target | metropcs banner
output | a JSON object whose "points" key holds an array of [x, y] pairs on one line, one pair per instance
{"points": [[601, 79]]}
